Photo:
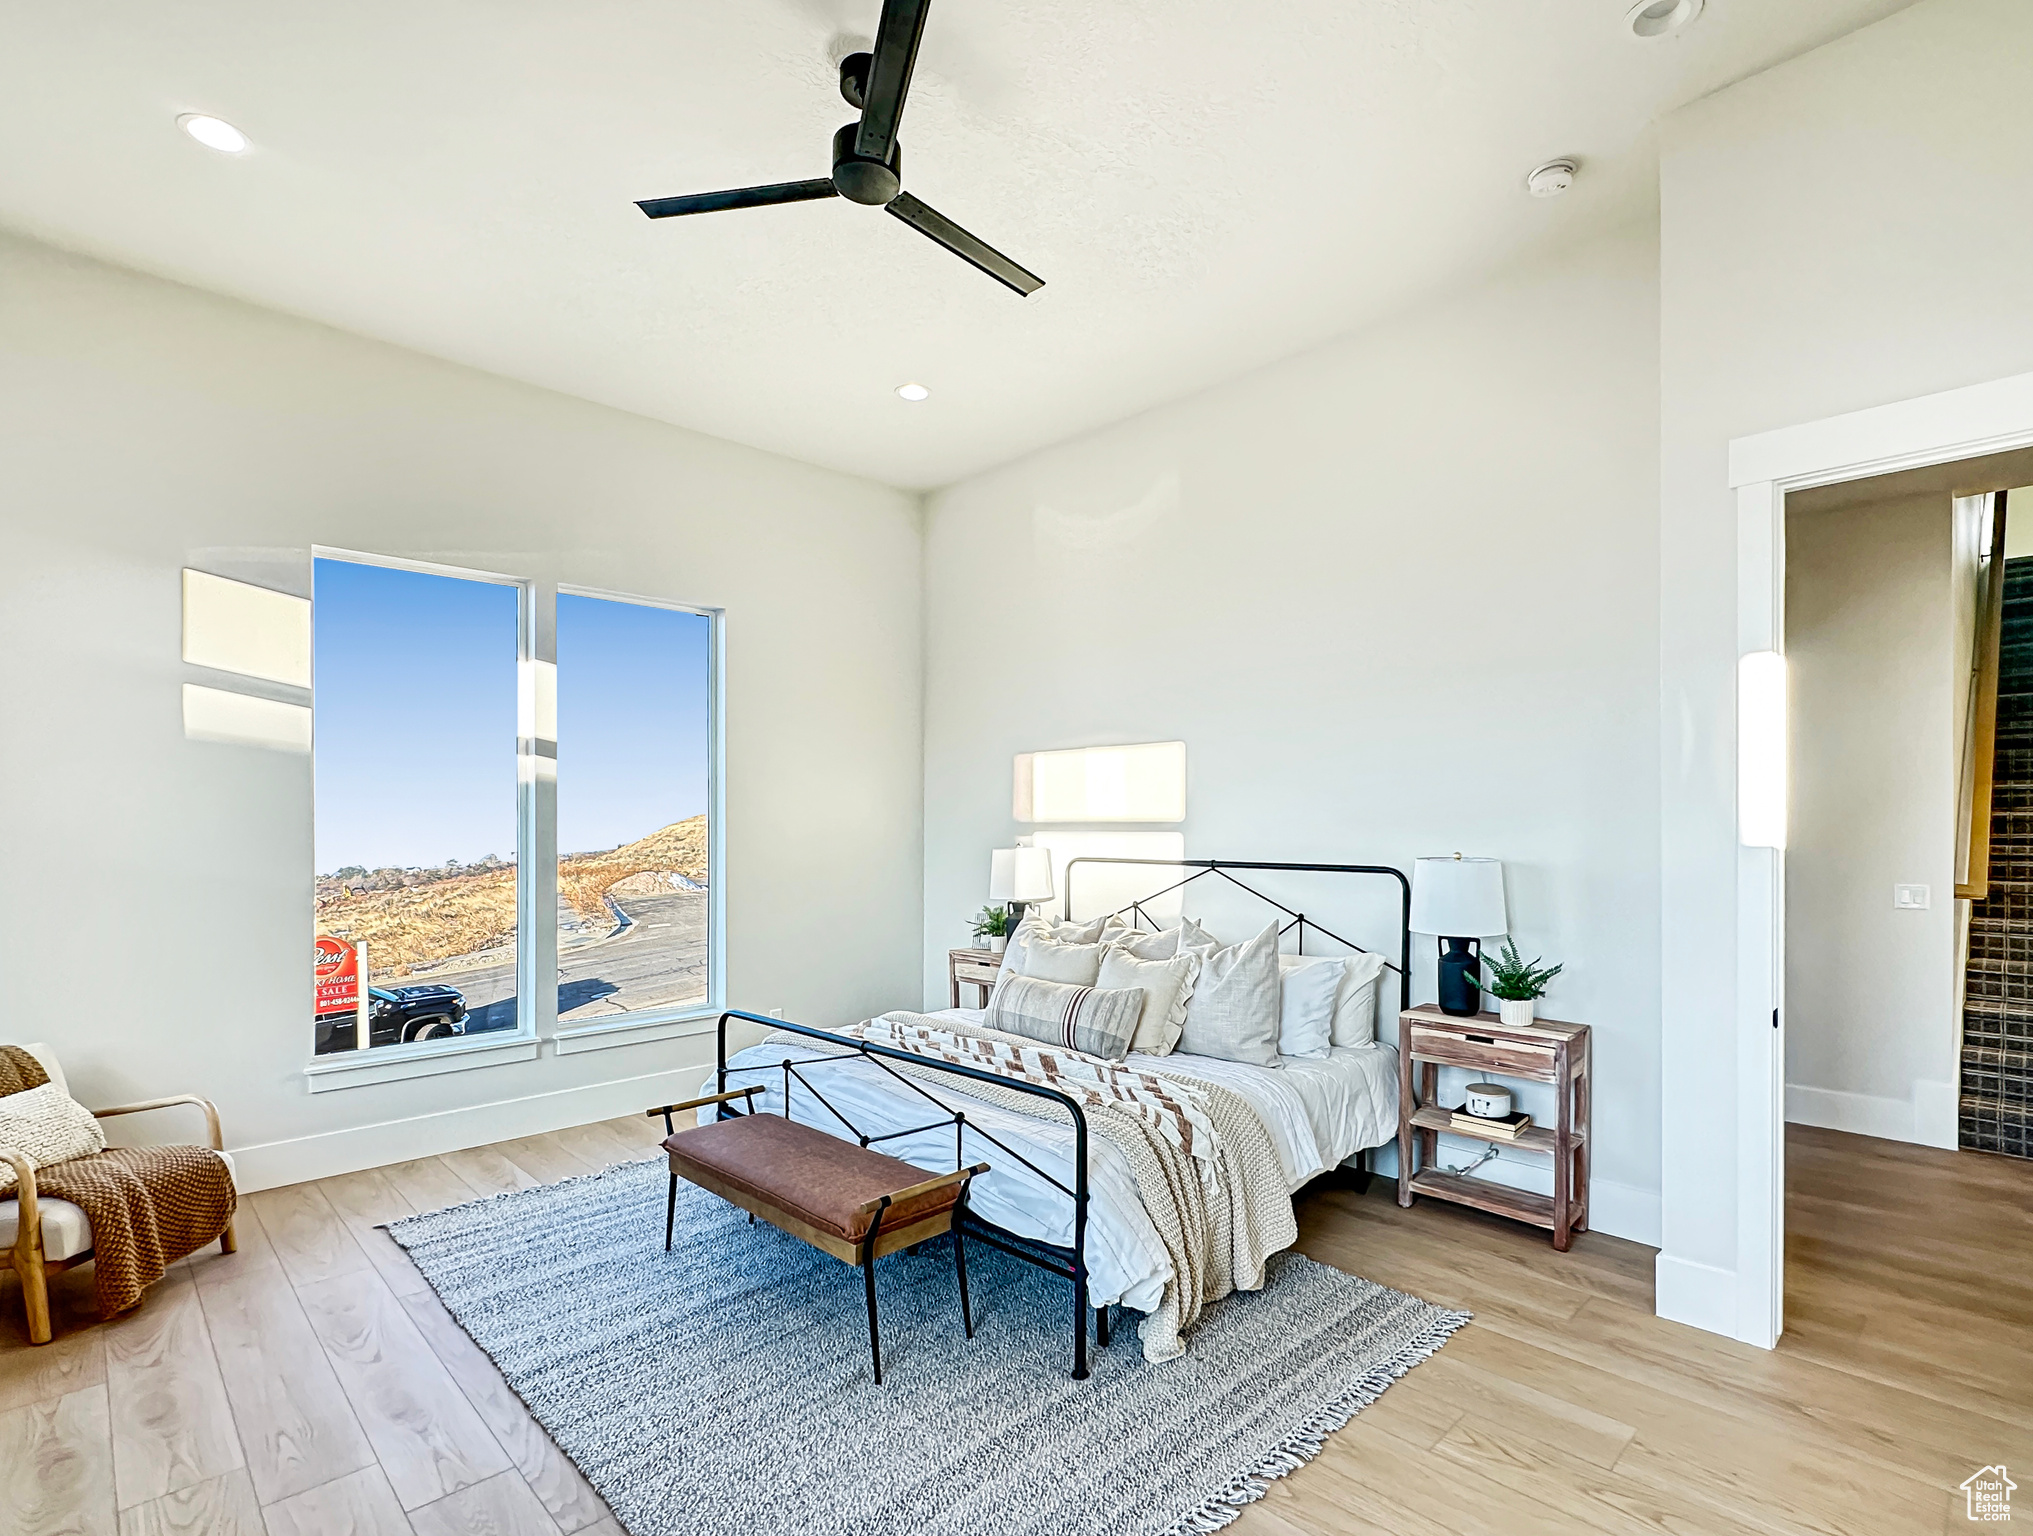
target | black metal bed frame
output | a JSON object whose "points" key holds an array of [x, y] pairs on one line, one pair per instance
{"points": [[1051, 1257]]}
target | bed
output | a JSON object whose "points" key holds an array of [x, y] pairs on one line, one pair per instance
{"points": [[1087, 1219]]}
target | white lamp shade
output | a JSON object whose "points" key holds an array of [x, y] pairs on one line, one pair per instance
{"points": [[1020, 874], [1459, 898]]}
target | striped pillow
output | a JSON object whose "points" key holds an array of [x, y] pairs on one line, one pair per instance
{"points": [[1076, 1018]]}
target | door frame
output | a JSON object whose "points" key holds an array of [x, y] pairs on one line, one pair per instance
{"points": [[1910, 434]]}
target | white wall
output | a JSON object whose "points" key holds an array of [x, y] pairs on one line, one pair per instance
{"points": [[1871, 643], [1845, 230], [155, 894], [1397, 596]]}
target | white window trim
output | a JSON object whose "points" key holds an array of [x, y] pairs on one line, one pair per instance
{"points": [[636, 1029], [422, 1058], [665, 1023], [393, 1063]]}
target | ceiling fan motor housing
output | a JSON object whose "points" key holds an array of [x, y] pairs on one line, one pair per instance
{"points": [[862, 180]]}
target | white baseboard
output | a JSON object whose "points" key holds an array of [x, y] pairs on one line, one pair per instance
{"points": [[1621, 1210], [1937, 1114], [269, 1164], [1699, 1295], [1928, 1117]]}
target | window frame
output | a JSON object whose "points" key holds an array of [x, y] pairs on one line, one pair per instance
{"points": [[348, 1069], [646, 1024]]}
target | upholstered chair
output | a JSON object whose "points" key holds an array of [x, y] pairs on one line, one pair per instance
{"points": [[45, 1235]]}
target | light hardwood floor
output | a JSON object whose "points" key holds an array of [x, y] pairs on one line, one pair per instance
{"points": [[311, 1385]]}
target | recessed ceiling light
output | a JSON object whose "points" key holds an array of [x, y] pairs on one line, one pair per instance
{"points": [[213, 132], [1550, 179], [913, 392], [1655, 18]]}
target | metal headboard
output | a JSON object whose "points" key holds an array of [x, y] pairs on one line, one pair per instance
{"points": [[1203, 867]]}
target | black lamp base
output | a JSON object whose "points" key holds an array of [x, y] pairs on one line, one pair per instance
{"points": [[1460, 973]]}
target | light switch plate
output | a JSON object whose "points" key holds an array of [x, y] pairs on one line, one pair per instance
{"points": [[1912, 898]]}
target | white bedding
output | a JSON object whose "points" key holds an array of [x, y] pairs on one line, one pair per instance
{"points": [[1318, 1113]]}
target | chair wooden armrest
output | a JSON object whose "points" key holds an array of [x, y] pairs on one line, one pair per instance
{"points": [[667, 1110], [27, 1219], [924, 1187], [211, 1112]]}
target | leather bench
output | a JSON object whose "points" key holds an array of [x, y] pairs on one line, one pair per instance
{"points": [[843, 1199]]}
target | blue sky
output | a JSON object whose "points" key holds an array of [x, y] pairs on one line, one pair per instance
{"points": [[633, 720], [415, 701]]}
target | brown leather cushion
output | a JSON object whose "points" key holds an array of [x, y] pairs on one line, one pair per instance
{"points": [[820, 1179]]}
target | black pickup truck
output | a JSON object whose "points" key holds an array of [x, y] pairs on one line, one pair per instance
{"points": [[396, 1015]]}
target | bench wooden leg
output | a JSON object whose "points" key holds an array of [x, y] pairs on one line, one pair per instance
{"points": [[671, 1212], [228, 1243]]}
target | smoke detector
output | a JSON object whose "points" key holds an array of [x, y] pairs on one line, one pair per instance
{"points": [[1656, 18], [1550, 179]]}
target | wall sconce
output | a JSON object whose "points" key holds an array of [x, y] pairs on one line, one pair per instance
{"points": [[1146, 782], [1761, 750]]}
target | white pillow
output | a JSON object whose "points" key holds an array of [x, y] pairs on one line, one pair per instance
{"points": [[1355, 1003], [1088, 932], [1307, 986], [1167, 984], [1148, 946], [1033, 952], [1193, 936], [1233, 1012], [49, 1126]]}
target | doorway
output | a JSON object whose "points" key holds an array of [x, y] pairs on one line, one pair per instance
{"points": [[1970, 440]]}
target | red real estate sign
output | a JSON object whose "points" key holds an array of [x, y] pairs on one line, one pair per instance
{"points": [[336, 971]]}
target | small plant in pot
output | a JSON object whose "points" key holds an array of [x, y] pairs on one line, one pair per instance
{"points": [[991, 929], [1516, 983]]}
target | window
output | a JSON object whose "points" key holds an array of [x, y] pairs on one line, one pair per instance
{"points": [[420, 807], [634, 785]]}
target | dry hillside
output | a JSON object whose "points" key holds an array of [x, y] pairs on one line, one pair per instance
{"points": [[464, 912]]}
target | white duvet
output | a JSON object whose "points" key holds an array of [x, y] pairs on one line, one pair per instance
{"points": [[1318, 1113]]}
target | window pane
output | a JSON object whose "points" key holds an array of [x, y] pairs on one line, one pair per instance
{"points": [[414, 703], [635, 718]]}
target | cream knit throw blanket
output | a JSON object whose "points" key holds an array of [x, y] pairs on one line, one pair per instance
{"points": [[1216, 1196]]}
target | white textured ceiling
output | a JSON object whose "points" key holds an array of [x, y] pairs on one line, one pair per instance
{"points": [[1204, 187]]}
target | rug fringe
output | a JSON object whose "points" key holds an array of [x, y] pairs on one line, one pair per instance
{"points": [[1226, 1504]]}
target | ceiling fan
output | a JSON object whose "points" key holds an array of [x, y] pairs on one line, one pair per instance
{"points": [[867, 159]]}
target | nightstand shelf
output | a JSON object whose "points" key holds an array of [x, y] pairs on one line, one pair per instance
{"points": [[977, 968], [1534, 1138], [1544, 1051]]}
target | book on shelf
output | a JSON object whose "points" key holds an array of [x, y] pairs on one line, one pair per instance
{"points": [[1509, 1128]]}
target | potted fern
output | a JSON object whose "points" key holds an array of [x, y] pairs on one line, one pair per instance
{"points": [[1516, 983], [991, 929]]}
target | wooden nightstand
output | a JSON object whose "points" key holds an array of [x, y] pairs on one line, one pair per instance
{"points": [[1544, 1051], [975, 967]]}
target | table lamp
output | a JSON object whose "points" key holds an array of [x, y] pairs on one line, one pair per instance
{"points": [[1461, 902], [1019, 877]]}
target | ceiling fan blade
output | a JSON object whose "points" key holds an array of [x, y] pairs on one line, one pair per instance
{"points": [[741, 197], [931, 222], [889, 77]]}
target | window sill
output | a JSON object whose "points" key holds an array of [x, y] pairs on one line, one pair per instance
{"points": [[700, 1020], [389, 1064]]}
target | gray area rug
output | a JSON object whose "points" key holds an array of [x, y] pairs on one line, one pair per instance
{"points": [[725, 1386]]}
